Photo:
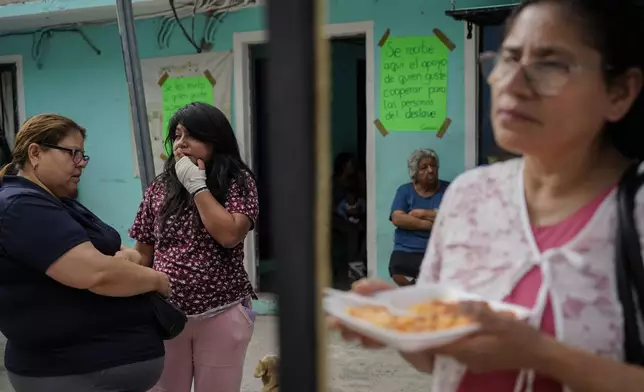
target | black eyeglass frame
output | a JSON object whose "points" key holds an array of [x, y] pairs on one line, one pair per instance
{"points": [[78, 156]]}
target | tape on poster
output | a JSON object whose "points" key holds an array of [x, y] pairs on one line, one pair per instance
{"points": [[162, 79], [381, 128], [384, 37], [210, 78], [443, 129], [446, 41]]}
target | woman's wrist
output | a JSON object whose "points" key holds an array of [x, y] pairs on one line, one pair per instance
{"points": [[163, 284], [204, 188], [549, 357]]}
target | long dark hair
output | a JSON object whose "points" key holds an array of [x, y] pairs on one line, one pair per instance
{"points": [[209, 125], [615, 29]]}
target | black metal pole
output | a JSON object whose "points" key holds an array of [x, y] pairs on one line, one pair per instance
{"points": [[292, 142], [127, 30]]}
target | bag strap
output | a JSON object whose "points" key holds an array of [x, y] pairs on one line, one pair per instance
{"points": [[629, 265]]}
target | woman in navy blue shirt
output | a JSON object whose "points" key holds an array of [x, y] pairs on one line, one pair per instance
{"points": [[413, 212], [70, 295]]}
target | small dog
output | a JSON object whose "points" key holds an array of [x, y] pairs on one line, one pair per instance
{"points": [[268, 370]]}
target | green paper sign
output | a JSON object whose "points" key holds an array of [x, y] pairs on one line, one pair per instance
{"points": [[413, 85], [179, 92]]}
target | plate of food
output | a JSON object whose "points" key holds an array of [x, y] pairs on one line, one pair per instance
{"points": [[413, 318]]}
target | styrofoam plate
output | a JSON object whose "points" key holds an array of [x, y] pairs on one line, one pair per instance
{"points": [[404, 298]]}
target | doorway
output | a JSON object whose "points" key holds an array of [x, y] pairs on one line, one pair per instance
{"points": [[348, 142], [9, 113], [352, 133]]}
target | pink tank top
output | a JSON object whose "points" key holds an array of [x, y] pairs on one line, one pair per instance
{"points": [[525, 294]]}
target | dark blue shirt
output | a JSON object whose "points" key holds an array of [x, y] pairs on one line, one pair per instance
{"points": [[52, 329], [407, 199]]}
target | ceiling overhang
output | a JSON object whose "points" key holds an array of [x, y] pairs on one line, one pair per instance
{"points": [[5, 2], [24, 16]]}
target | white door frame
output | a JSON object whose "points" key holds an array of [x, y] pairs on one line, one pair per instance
{"points": [[243, 124], [20, 86], [472, 73]]}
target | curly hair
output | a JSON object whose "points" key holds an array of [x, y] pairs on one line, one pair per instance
{"points": [[417, 156]]}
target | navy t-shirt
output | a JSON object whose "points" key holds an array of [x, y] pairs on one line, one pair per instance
{"points": [[407, 199], [52, 329]]}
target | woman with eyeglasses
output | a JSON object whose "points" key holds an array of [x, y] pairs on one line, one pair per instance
{"points": [[540, 231], [70, 295]]}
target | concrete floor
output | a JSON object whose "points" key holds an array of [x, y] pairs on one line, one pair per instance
{"points": [[351, 368]]}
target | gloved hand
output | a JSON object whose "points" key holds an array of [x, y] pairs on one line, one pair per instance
{"points": [[191, 176]]}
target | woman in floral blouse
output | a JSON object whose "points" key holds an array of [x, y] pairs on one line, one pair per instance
{"points": [[540, 231], [191, 225]]}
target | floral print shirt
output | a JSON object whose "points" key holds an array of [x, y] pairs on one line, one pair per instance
{"points": [[204, 275]]}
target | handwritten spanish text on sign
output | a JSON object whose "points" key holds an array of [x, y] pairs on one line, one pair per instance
{"points": [[179, 92], [413, 86]]}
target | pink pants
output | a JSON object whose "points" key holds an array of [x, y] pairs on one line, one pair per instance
{"points": [[210, 350]]}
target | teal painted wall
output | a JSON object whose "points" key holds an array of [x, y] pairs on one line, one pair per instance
{"points": [[91, 89]]}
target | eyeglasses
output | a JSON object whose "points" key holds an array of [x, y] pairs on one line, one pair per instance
{"points": [[546, 77], [78, 156]]}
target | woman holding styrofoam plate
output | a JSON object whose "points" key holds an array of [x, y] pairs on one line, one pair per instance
{"points": [[540, 231]]}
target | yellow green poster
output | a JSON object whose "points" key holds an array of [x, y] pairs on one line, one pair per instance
{"points": [[181, 91], [413, 83]]}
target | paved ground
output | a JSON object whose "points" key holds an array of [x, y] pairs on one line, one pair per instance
{"points": [[351, 368]]}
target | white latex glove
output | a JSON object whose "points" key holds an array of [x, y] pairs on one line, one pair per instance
{"points": [[191, 176]]}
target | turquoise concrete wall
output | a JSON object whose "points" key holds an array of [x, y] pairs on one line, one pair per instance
{"points": [[91, 89]]}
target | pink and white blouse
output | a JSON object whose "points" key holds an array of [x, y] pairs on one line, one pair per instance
{"points": [[482, 242]]}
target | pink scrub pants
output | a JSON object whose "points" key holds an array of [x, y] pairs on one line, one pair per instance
{"points": [[210, 351]]}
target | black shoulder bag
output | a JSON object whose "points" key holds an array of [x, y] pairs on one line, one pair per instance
{"points": [[170, 319], [629, 265]]}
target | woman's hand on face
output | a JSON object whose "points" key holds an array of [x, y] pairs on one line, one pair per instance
{"points": [[362, 287], [129, 254], [191, 175], [503, 343], [180, 153]]}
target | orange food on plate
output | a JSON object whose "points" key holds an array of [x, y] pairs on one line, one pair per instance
{"points": [[423, 317]]}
